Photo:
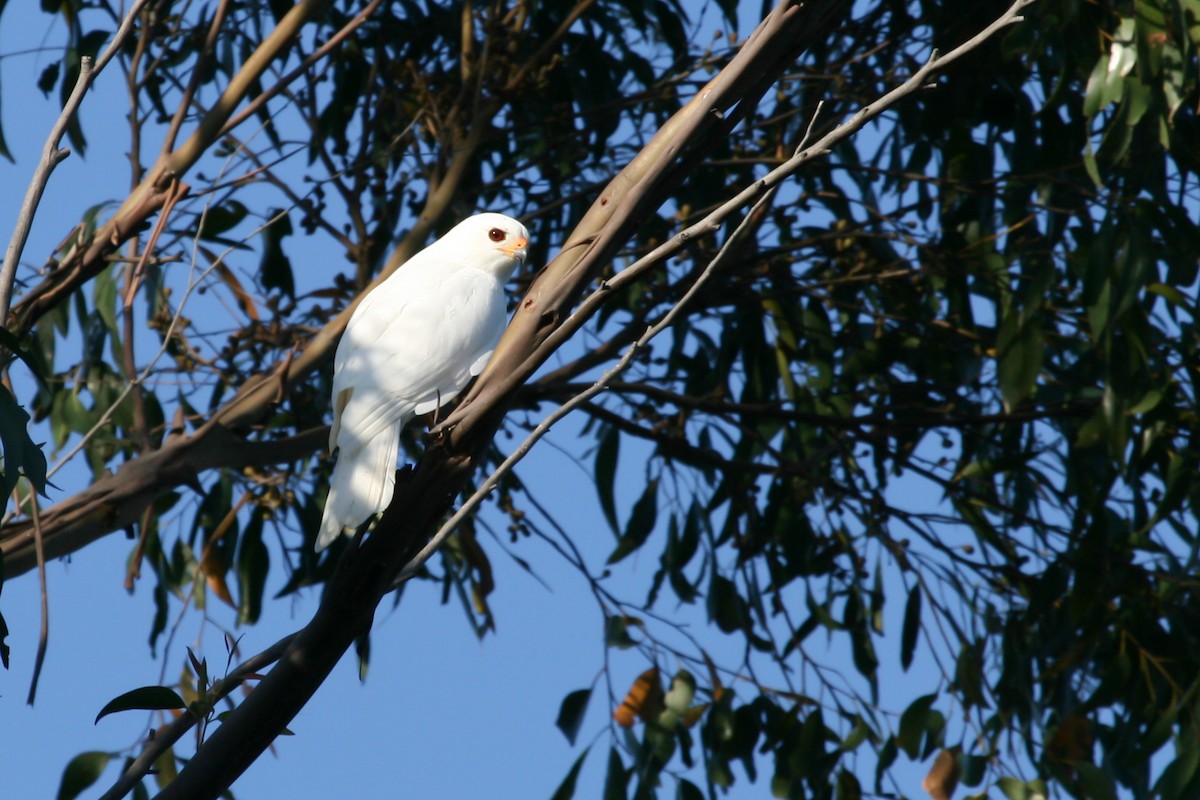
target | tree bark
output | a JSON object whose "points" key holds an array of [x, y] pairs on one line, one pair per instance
{"points": [[367, 568]]}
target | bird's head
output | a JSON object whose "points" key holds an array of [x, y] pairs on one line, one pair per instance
{"points": [[492, 242]]}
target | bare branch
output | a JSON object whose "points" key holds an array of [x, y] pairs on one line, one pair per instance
{"points": [[88, 257], [52, 156]]}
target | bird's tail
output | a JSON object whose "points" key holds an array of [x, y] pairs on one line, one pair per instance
{"points": [[361, 485]]}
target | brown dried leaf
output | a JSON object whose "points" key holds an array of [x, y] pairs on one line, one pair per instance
{"points": [[943, 776], [644, 699]]}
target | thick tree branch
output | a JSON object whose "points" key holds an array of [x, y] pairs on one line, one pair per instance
{"points": [[116, 501], [370, 565], [638, 188]]}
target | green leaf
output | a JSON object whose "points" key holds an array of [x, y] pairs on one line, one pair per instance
{"points": [[640, 525], [1013, 789], [571, 713], [912, 627], [1021, 348], [4, 151], [974, 768], [913, 724], [275, 269], [362, 649], [253, 562], [21, 455], [566, 789], [82, 771], [686, 790], [4, 648], [725, 606], [104, 298], [1178, 774], [616, 779], [49, 78], [4, 651], [616, 631], [848, 787], [862, 648], [218, 220], [10, 342], [606, 470], [147, 698], [1171, 295], [1098, 784]]}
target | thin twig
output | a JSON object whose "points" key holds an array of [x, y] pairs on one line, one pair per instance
{"points": [[763, 189], [166, 340], [165, 738], [52, 156], [281, 84], [713, 220], [44, 633], [596, 388], [197, 73]]}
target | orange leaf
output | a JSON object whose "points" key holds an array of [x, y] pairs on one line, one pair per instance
{"points": [[693, 715], [943, 776], [244, 300], [214, 574], [644, 699], [218, 586]]}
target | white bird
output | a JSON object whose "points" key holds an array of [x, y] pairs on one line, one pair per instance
{"points": [[412, 344]]}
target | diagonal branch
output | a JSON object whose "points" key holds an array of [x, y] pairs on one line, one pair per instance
{"points": [[368, 567]]}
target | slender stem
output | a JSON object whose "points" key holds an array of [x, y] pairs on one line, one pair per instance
{"points": [[52, 156], [44, 632], [281, 84], [165, 738], [197, 72]]}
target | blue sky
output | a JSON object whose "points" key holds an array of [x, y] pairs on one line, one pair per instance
{"points": [[442, 714]]}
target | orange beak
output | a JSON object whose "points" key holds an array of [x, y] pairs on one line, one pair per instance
{"points": [[517, 245]]}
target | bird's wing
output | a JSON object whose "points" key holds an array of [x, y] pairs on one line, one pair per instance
{"points": [[413, 348], [481, 362], [340, 400]]}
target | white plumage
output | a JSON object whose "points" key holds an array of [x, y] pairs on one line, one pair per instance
{"points": [[412, 344]]}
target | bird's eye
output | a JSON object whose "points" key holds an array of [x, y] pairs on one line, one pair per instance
{"points": [[496, 235]]}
